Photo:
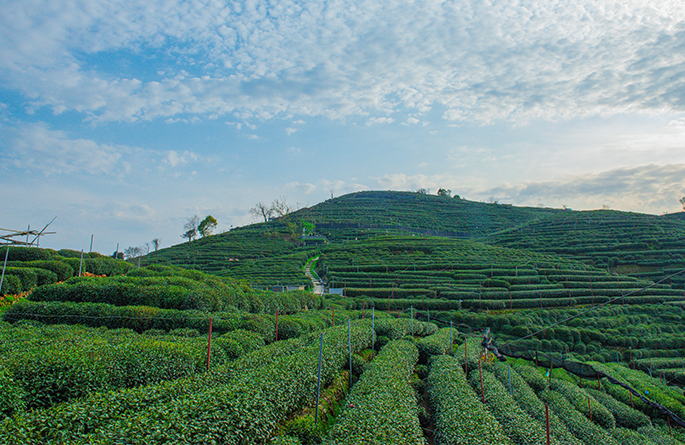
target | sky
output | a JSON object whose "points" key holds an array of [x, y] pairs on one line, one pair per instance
{"points": [[123, 118]]}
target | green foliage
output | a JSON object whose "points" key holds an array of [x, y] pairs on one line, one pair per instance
{"points": [[530, 403], [12, 394], [584, 403], [460, 417], [588, 432], [382, 407], [518, 425], [625, 416], [172, 288], [435, 344]]}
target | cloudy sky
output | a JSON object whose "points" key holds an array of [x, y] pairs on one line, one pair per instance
{"points": [[125, 117]]}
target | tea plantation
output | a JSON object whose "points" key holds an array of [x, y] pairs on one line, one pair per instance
{"points": [[587, 307]]}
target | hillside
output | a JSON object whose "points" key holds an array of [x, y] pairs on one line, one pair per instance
{"points": [[643, 246], [275, 252]]}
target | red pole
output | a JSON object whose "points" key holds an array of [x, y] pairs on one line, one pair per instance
{"points": [[209, 342], [482, 389], [589, 408], [547, 422], [276, 324]]}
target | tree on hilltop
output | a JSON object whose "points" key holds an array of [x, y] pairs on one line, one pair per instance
{"points": [[682, 202], [261, 210], [190, 228], [207, 226]]}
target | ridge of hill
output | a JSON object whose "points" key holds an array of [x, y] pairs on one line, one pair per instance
{"points": [[643, 246]]}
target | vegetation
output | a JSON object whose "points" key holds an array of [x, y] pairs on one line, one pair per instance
{"points": [[122, 357]]}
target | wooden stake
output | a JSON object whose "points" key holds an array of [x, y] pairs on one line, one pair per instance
{"points": [[547, 422], [482, 389], [276, 324]]}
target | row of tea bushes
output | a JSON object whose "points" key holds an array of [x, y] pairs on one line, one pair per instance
{"points": [[249, 408], [144, 318], [177, 289], [51, 364], [31, 267], [382, 406], [77, 420], [460, 417]]}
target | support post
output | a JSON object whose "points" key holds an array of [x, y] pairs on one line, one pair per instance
{"points": [[4, 266], [209, 342], [411, 309], [451, 341], [509, 376], [373, 332], [318, 383], [349, 347], [482, 388], [547, 422], [91, 242], [80, 264], [589, 408], [276, 324]]}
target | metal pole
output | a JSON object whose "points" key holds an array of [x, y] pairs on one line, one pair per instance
{"points": [[276, 324], [373, 332], [509, 376], [4, 266], [209, 342], [349, 346], [91, 242], [318, 384], [411, 308], [451, 341]]}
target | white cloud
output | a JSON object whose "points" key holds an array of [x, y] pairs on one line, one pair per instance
{"points": [[290, 130], [174, 159], [510, 60], [35, 147], [379, 120], [650, 188], [304, 188], [295, 151]]}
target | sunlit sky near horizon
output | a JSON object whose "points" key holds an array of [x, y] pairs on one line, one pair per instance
{"points": [[124, 118]]}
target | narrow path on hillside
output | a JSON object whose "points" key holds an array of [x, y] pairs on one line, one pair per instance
{"points": [[316, 281]]}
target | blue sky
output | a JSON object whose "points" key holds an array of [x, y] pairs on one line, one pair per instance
{"points": [[124, 118]]}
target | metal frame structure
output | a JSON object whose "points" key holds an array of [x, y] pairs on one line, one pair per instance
{"points": [[9, 237]]}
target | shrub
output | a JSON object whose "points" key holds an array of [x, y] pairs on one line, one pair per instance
{"points": [[382, 407], [460, 417]]}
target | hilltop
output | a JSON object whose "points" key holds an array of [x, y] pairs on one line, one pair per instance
{"points": [[643, 246]]}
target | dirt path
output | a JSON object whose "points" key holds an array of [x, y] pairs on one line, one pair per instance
{"points": [[316, 281]]}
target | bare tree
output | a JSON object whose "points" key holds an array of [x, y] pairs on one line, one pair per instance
{"points": [[281, 207], [191, 228], [332, 190], [155, 243], [261, 210], [133, 252]]}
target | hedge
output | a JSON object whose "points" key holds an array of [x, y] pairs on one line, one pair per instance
{"points": [[460, 417], [77, 420], [382, 406], [518, 425]]}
